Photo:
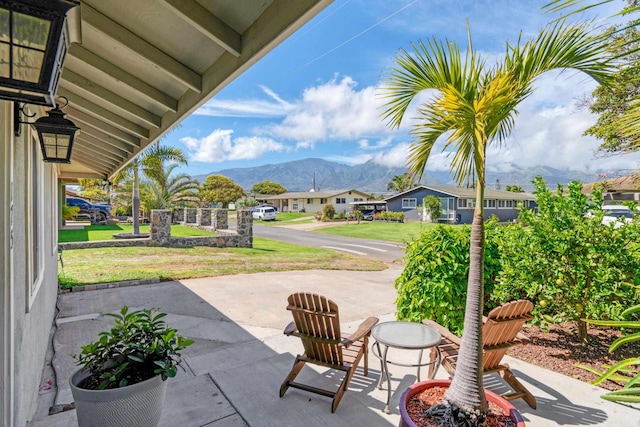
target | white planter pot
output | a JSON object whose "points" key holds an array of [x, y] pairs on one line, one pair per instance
{"points": [[137, 405]]}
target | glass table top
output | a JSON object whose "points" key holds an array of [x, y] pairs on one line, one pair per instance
{"points": [[405, 335]]}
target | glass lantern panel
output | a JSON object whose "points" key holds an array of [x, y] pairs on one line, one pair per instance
{"points": [[27, 64], [4, 61], [56, 146], [30, 31], [4, 28]]}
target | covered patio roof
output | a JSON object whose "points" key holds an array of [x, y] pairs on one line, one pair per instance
{"points": [[136, 68]]}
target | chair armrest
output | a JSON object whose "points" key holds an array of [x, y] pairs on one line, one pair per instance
{"points": [[363, 330], [446, 334], [290, 329]]}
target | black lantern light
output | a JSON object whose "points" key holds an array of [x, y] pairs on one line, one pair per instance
{"points": [[33, 45], [56, 135]]}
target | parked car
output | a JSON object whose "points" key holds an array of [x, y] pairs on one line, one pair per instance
{"points": [[264, 213], [103, 211], [618, 214], [367, 215], [266, 205]]}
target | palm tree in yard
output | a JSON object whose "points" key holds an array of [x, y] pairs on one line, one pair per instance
{"points": [[475, 105], [150, 164], [400, 183], [165, 191]]}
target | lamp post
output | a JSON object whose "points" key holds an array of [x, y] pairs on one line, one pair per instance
{"points": [[33, 45]]}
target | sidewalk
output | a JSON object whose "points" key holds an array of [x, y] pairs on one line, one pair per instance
{"points": [[236, 366]]}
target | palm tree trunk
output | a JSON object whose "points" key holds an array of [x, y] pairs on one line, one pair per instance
{"points": [[467, 390], [135, 205]]}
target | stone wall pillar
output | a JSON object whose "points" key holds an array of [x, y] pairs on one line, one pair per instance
{"points": [[178, 215], [245, 228], [190, 215], [160, 226], [204, 219], [221, 219]]}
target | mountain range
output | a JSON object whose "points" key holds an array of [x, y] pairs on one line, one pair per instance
{"points": [[370, 177]]}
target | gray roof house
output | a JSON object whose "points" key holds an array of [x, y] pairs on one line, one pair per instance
{"points": [[457, 203], [314, 201]]}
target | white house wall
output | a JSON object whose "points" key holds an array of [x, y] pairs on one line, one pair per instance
{"points": [[29, 263]]}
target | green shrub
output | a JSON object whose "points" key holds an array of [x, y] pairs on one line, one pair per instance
{"points": [[570, 266], [433, 284], [389, 216], [328, 212], [69, 212]]}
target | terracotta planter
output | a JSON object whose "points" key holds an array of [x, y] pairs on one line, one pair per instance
{"points": [[502, 403], [135, 405]]}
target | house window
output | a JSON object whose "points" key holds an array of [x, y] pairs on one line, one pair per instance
{"points": [[409, 203], [309, 201], [505, 204], [490, 204], [323, 201], [340, 200], [462, 203], [34, 262], [358, 199], [295, 205]]}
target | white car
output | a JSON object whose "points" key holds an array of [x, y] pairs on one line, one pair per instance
{"points": [[619, 214], [264, 213]]}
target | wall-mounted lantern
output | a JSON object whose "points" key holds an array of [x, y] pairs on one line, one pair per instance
{"points": [[55, 133], [33, 45]]}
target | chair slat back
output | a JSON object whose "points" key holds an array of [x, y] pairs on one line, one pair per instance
{"points": [[317, 319], [500, 330]]}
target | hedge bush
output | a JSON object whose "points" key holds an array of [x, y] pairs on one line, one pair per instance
{"points": [[433, 284]]}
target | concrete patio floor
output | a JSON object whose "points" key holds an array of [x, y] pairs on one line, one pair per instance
{"points": [[235, 368]]}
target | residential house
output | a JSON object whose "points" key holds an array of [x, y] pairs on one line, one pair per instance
{"points": [[457, 204], [315, 201], [133, 71], [617, 190]]}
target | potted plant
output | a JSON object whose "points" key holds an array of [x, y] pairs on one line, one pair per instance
{"points": [[468, 106], [435, 390], [122, 380]]}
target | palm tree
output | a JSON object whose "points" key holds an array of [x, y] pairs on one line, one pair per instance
{"points": [[476, 106], [400, 183], [164, 191], [149, 162]]}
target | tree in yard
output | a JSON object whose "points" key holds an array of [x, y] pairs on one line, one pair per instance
{"points": [[432, 207], [514, 188], [149, 163], [572, 267], [164, 191], [400, 183], [475, 106], [92, 189], [220, 189], [611, 103], [267, 187]]}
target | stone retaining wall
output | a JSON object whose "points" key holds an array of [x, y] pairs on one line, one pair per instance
{"points": [[161, 235]]}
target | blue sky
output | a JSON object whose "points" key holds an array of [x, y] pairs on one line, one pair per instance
{"points": [[316, 94]]}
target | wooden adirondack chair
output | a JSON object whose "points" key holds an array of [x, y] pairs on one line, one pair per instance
{"points": [[317, 324], [501, 331]]}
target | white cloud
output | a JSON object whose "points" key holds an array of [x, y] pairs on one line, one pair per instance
{"points": [[218, 146], [394, 157], [334, 110], [276, 107]]}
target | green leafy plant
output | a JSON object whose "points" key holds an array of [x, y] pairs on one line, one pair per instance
{"points": [[433, 284], [572, 267], [621, 371], [433, 207], [139, 346], [328, 212], [69, 212]]}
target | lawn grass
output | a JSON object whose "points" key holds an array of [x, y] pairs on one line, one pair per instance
{"points": [[100, 265], [404, 232], [106, 232]]}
